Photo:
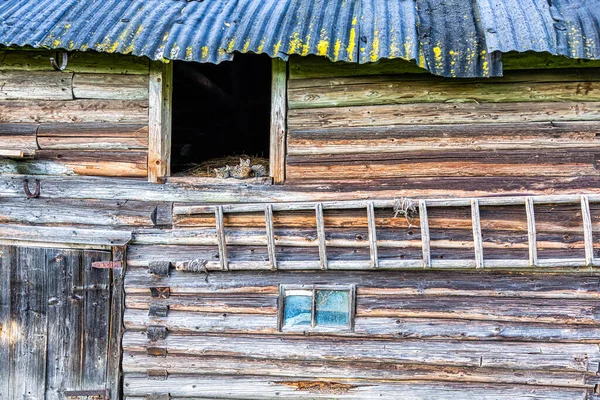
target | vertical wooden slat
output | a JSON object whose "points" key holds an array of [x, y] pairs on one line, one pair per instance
{"points": [[29, 312], [5, 289], [59, 321], [477, 237], [587, 231], [321, 236], [117, 305], [220, 225], [531, 231], [270, 236], [425, 238], [372, 235], [159, 128], [96, 320], [278, 120]]}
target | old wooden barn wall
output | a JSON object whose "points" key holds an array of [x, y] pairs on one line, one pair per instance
{"points": [[417, 335], [392, 125], [90, 119], [524, 334]]}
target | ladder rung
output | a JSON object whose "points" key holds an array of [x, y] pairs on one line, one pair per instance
{"points": [[531, 232], [477, 237], [588, 237], [372, 235], [270, 236], [321, 235], [425, 239], [221, 238]]}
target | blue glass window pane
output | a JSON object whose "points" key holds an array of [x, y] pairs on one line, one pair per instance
{"points": [[333, 308], [297, 310]]}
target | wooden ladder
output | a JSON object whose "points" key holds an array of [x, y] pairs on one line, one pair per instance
{"points": [[478, 261]]}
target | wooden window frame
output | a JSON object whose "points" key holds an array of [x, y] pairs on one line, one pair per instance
{"points": [[351, 289], [160, 99]]}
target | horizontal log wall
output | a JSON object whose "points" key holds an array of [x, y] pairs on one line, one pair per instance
{"points": [[472, 335], [390, 124], [90, 119]]}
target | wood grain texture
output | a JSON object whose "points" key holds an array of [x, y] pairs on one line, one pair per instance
{"points": [[159, 139], [277, 148], [21, 85], [521, 86], [110, 86], [40, 111], [82, 62]]}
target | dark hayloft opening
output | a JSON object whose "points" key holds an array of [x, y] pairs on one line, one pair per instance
{"points": [[220, 112]]}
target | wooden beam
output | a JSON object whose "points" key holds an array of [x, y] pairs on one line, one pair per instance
{"points": [[531, 231], [587, 231], [159, 140], [425, 237], [477, 237], [321, 235], [372, 235], [220, 226], [270, 236], [278, 120]]}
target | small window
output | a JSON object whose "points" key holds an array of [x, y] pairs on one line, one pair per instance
{"points": [[316, 308]]}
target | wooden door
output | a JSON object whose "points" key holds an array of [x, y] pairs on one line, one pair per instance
{"points": [[55, 315]]}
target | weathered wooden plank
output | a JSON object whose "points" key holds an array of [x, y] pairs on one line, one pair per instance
{"points": [[372, 233], [522, 356], [531, 231], [270, 235], [222, 241], [110, 86], [551, 162], [40, 111], [372, 283], [78, 212], [439, 113], [6, 327], [20, 137], [320, 67], [92, 130], [21, 85], [136, 363], [561, 311], [201, 388], [93, 238], [513, 87], [159, 139], [98, 143], [473, 136], [96, 319], [209, 387], [243, 303], [278, 120], [321, 238], [28, 314], [587, 231], [65, 314], [80, 162], [477, 237], [229, 191], [83, 62], [425, 236]]}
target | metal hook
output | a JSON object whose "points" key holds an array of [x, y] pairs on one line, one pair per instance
{"points": [[65, 60], [28, 193]]}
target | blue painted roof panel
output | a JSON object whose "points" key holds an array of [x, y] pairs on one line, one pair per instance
{"points": [[448, 37]]}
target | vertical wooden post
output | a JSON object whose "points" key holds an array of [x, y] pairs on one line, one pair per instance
{"points": [[159, 135], [372, 235], [588, 238], [531, 232], [278, 120], [477, 236], [270, 236], [321, 235], [222, 242], [425, 239]]}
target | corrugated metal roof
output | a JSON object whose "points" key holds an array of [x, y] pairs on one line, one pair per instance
{"points": [[448, 37]]}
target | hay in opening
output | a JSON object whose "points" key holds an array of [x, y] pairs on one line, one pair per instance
{"points": [[206, 169]]}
